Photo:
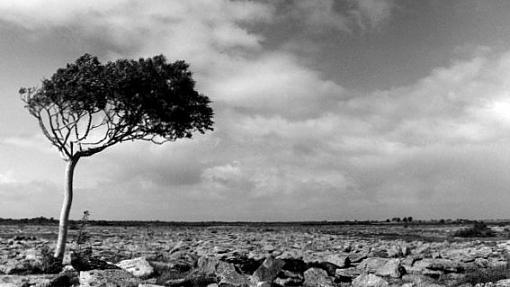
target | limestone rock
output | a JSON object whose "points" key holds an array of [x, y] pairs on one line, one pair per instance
{"points": [[139, 267], [315, 277], [348, 273], [372, 264], [108, 277], [369, 280], [341, 261], [391, 268], [268, 270], [229, 277], [438, 264]]}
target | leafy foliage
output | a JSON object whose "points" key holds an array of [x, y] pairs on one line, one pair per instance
{"points": [[88, 106]]}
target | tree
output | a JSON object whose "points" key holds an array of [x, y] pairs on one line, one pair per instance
{"points": [[88, 106]]}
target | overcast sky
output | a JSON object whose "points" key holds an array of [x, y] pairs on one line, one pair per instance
{"points": [[324, 110]]}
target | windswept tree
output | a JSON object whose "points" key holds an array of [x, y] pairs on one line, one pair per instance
{"points": [[88, 106]]}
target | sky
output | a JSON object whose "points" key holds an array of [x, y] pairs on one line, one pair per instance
{"points": [[324, 110]]}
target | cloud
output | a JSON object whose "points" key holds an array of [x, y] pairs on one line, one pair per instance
{"points": [[343, 16], [372, 13], [27, 198], [31, 141], [289, 143]]}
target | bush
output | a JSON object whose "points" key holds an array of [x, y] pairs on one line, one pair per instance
{"points": [[479, 229], [50, 264]]}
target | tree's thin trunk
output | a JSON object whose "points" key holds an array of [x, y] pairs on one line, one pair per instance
{"points": [[66, 207]]}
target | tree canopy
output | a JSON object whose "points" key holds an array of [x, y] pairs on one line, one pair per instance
{"points": [[88, 106]]}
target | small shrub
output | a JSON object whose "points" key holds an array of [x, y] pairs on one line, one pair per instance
{"points": [[82, 255], [479, 229], [50, 264]]}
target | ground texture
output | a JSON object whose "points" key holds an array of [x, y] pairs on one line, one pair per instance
{"points": [[256, 255]]}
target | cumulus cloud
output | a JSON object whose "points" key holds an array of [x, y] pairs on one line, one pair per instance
{"points": [[342, 16], [289, 143]]}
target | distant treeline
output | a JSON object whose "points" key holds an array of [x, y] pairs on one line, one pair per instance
{"points": [[52, 221]]}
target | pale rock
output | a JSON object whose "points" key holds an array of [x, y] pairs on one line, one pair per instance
{"points": [[391, 268], [371, 264], [139, 267], [315, 277], [108, 277], [268, 270], [394, 251], [369, 280], [351, 272], [341, 261], [228, 276]]}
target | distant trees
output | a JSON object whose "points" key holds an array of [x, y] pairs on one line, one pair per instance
{"points": [[88, 106], [403, 219]]}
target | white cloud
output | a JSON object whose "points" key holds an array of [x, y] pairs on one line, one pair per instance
{"points": [[7, 178], [288, 142]]}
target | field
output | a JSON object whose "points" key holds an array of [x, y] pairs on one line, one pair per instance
{"points": [[337, 254]]}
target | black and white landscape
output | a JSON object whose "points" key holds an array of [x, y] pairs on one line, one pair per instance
{"points": [[254, 143]]}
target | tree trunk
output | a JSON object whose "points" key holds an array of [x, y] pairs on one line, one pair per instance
{"points": [[66, 208]]}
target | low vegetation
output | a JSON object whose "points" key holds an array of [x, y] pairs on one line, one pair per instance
{"points": [[478, 229]]}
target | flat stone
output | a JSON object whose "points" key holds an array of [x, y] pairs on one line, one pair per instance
{"points": [[369, 280], [391, 268], [108, 277], [370, 265], [139, 267], [316, 277], [341, 261]]}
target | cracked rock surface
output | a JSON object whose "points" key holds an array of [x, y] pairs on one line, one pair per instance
{"points": [[255, 256]]}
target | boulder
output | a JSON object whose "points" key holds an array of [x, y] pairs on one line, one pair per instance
{"points": [[268, 270], [315, 277], [229, 277], [358, 256], [339, 260], [207, 265], [369, 280], [139, 267], [108, 277], [371, 264], [391, 268]]}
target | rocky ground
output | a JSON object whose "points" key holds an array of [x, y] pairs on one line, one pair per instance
{"points": [[255, 256]]}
